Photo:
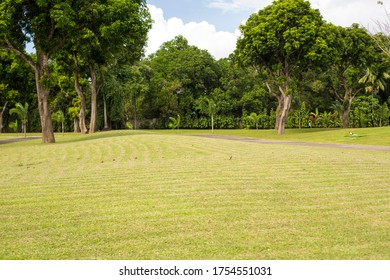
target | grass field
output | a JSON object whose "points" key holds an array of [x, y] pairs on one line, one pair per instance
{"points": [[169, 195]]}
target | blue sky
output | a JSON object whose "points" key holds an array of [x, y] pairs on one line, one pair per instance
{"points": [[197, 11], [213, 24]]}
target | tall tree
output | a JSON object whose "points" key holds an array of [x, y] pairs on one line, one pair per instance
{"points": [[108, 31], [47, 24], [355, 52], [182, 74], [279, 41]]}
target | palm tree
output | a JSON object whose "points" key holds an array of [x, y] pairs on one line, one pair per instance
{"points": [[375, 82], [315, 117], [326, 118], [255, 118], [174, 122], [59, 117], [208, 106], [22, 112]]}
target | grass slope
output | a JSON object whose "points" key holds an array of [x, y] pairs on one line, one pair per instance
{"points": [[126, 195], [361, 136]]}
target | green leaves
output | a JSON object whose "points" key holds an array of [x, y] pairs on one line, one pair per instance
{"points": [[22, 112], [207, 106], [174, 123], [285, 29], [64, 16]]}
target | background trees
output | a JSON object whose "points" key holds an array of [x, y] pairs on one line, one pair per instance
{"points": [[290, 69], [47, 24], [96, 30]]}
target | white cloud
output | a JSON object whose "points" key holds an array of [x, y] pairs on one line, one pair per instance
{"points": [[201, 34], [238, 5], [344, 13], [347, 12]]}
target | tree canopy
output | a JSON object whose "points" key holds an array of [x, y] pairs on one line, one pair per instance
{"points": [[279, 40], [290, 69], [94, 28]]}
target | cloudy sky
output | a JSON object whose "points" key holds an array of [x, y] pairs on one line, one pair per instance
{"points": [[213, 24]]}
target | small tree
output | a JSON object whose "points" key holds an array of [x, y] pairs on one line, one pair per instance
{"points": [[14, 126], [174, 122], [22, 112], [315, 117], [374, 82], [255, 118], [59, 118], [208, 106]]}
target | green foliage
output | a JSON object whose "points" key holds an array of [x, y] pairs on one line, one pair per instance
{"points": [[14, 126], [208, 107], [181, 74], [368, 112], [59, 118], [22, 112], [174, 123], [129, 125], [253, 120]]}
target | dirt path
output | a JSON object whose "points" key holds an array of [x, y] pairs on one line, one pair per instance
{"points": [[14, 140], [296, 143]]}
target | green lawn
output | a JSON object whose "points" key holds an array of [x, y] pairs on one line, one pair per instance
{"points": [[361, 136], [154, 195]]}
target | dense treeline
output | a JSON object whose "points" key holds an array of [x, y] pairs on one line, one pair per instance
{"points": [[295, 73], [77, 39]]}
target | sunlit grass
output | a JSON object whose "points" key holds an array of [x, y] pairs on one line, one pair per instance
{"points": [[360, 136], [147, 195]]}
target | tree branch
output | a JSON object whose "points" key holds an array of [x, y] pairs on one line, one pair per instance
{"points": [[5, 106], [19, 53]]}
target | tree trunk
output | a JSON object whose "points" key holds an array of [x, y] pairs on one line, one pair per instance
{"points": [[1, 116], [347, 110], [24, 124], [212, 124], [92, 126], [135, 111], [75, 126], [105, 113], [284, 113], [279, 110], [83, 105], [42, 73], [280, 105]]}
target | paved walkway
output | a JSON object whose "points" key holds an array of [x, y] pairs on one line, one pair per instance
{"points": [[14, 140], [296, 143]]}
